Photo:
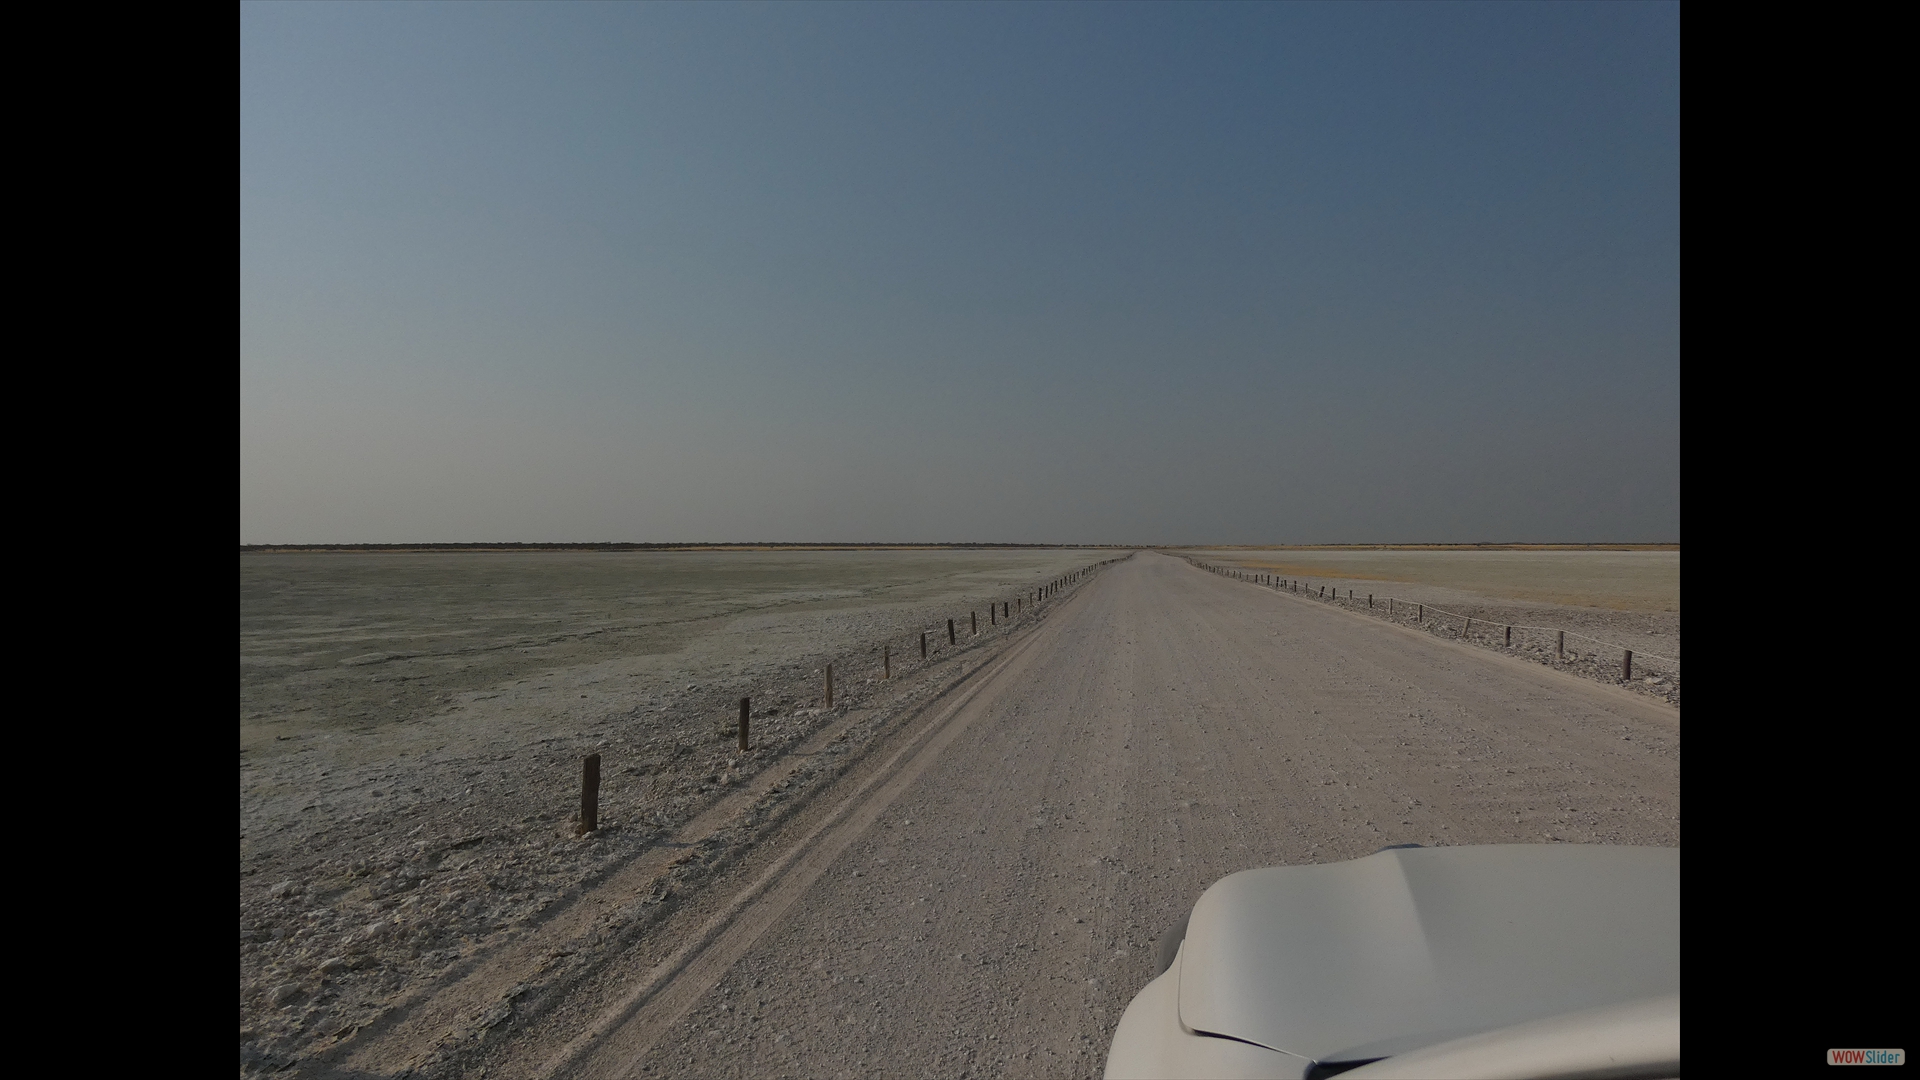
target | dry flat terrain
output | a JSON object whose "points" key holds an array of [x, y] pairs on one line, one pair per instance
{"points": [[376, 654], [1606, 600], [974, 887], [412, 727], [1642, 580]]}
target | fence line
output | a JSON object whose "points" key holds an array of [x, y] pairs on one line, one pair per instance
{"points": [[1008, 611], [1028, 603], [1244, 575]]}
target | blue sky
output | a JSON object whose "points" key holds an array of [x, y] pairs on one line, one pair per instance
{"points": [[1078, 273]]}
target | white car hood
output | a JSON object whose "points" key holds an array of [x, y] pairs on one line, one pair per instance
{"points": [[1410, 947]]}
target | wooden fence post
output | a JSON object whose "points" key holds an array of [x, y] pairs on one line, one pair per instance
{"points": [[829, 686], [1626, 667], [886, 661], [923, 644], [1421, 615], [1465, 630], [745, 704], [1509, 637], [951, 640], [589, 795], [973, 620], [1560, 646]]}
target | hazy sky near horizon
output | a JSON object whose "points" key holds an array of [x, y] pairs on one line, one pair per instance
{"points": [[1073, 273]]}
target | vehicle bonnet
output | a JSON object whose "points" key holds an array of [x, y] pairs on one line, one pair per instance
{"points": [[1411, 947]]}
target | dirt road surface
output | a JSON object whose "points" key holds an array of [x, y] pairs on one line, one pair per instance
{"points": [[980, 896]]}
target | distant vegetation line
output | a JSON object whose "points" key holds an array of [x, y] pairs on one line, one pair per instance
{"points": [[750, 546], [1431, 547], [769, 545]]}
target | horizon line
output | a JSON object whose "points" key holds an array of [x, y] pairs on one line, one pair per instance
{"points": [[622, 545]]}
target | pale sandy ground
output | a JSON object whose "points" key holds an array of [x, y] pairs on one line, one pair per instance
{"points": [[1646, 581], [966, 877], [1607, 601], [412, 729]]}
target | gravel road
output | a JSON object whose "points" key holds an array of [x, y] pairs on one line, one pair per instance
{"points": [[978, 895]]}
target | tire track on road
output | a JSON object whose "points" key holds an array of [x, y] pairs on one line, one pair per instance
{"points": [[612, 1045]]}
